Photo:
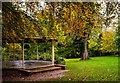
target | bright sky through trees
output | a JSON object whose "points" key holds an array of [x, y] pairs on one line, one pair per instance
{"points": [[114, 20]]}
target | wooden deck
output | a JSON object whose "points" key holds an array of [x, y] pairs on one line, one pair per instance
{"points": [[37, 70], [33, 68], [27, 64], [29, 71]]}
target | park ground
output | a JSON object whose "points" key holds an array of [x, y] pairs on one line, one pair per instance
{"points": [[96, 69]]}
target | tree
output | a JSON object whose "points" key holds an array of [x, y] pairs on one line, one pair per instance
{"points": [[58, 20], [117, 39], [111, 16], [95, 42], [110, 13], [108, 41], [17, 25], [81, 18]]}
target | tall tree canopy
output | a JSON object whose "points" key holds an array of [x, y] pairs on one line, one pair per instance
{"points": [[17, 25], [81, 18], [54, 20]]}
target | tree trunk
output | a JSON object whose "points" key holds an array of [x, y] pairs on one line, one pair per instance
{"points": [[85, 55]]}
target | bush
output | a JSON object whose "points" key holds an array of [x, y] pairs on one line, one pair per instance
{"points": [[9, 55], [47, 57], [59, 60], [94, 53]]}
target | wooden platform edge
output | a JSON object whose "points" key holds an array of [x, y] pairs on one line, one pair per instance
{"points": [[60, 65]]}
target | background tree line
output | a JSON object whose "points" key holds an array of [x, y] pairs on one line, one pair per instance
{"points": [[78, 26]]}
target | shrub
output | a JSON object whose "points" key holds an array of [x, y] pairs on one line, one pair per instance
{"points": [[47, 57], [59, 60]]}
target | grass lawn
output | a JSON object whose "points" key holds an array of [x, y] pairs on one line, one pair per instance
{"points": [[96, 69]]}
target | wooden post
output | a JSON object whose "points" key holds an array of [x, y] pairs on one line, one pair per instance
{"points": [[9, 51], [23, 54], [37, 53], [13, 51], [52, 52]]}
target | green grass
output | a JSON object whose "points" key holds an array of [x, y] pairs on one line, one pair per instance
{"points": [[96, 69]]}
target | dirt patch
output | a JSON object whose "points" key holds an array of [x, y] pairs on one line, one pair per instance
{"points": [[10, 75]]}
